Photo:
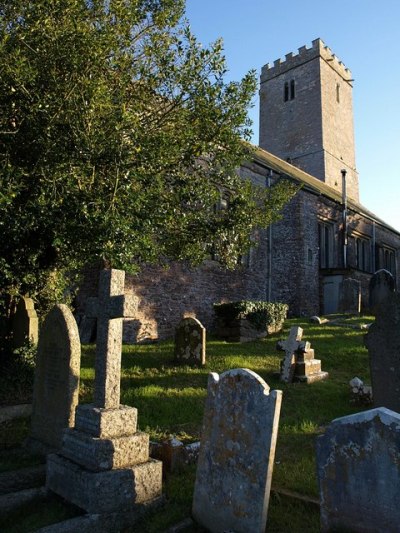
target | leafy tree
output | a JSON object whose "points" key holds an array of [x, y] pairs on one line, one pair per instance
{"points": [[117, 135]]}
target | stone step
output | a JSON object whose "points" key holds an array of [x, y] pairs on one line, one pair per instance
{"points": [[306, 368], [318, 376], [103, 492], [104, 454]]}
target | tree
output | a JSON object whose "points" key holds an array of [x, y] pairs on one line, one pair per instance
{"points": [[117, 135]]}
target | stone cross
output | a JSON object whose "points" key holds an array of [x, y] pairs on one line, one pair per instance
{"points": [[110, 308], [291, 345]]}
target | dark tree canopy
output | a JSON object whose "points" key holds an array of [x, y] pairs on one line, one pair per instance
{"points": [[117, 135]]}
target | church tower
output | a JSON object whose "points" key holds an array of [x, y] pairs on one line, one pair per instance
{"points": [[306, 115]]}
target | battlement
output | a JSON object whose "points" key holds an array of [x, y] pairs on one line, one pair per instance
{"points": [[318, 49]]}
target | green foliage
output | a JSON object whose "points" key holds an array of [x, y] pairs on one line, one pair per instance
{"points": [[260, 314], [16, 379], [117, 135]]}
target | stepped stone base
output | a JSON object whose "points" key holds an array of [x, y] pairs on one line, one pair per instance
{"points": [[312, 378], [106, 423], [104, 492], [306, 368], [104, 454]]}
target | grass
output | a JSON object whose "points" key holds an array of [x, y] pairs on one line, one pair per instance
{"points": [[170, 401]]}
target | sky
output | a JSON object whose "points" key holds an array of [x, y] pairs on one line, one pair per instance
{"points": [[364, 34]]}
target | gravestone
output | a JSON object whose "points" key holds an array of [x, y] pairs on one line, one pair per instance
{"points": [[383, 343], [87, 327], [299, 363], [381, 285], [350, 296], [234, 470], [56, 386], [104, 465], [358, 462], [290, 346], [25, 323], [190, 342]]}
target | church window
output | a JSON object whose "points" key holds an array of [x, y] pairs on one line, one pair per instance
{"points": [[338, 93], [363, 254], [386, 258], [325, 234], [286, 92]]}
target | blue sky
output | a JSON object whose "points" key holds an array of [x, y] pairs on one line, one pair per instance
{"points": [[364, 34]]}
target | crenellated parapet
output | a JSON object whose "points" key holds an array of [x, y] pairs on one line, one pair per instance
{"points": [[318, 49]]}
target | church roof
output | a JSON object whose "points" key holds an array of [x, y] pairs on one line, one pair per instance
{"points": [[312, 184]]}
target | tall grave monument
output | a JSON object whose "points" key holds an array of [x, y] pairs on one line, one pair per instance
{"points": [[104, 465], [383, 343]]}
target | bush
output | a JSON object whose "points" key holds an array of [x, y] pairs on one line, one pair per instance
{"points": [[16, 383], [260, 314]]}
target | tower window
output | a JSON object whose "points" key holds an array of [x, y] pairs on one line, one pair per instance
{"points": [[289, 91], [338, 93], [286, 92]]}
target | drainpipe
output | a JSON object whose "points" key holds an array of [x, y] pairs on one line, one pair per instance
{"points": [[268, 182], [373, 246], [344, 201]]}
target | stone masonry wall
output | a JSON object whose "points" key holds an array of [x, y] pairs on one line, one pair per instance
{"points": [[338, 130], [314, 129], [295, 257], [293, 129]]}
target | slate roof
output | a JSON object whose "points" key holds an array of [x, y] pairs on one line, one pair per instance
{"points": [[312, 184]]}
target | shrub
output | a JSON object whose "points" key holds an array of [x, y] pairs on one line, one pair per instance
{"points": [[260, 314]]}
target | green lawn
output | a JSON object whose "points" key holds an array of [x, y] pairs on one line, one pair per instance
{"points": [[170, 401]]}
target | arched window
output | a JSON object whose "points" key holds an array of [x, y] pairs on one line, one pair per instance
{"points": [[363, 254]]}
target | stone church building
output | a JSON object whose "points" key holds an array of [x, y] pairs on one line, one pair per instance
{"points": [[325, 235]]}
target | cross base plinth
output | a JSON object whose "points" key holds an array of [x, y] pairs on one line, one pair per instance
{"points": [[104, 492], [106, 423]]}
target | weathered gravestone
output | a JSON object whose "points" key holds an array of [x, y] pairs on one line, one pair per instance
{"points": [[299, 363], [25, 323], [381, 285], [87, 326], [104, 465], [383, 343], [56, 387], [358, 461], [350, 296], [234, 470], [190, 342], [290, 346]]}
